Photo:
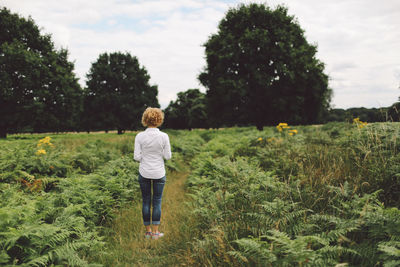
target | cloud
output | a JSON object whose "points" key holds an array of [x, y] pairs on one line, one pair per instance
{"points": [[166, 36], [358, 40], [343, 66]]}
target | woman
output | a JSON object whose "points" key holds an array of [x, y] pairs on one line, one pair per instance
{"points": [[151, 148]]}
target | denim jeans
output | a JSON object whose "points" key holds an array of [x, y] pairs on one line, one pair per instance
{"points": [[145, 187]]}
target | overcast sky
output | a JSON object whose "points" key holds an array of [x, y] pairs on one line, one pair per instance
{"points": [[358, 40]]}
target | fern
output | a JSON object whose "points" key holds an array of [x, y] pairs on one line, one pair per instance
{"points": [[253, 252], [391, 253]]}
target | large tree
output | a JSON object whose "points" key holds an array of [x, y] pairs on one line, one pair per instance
{"points": [[38, 89], [261, 70], [188, 111], [117, 93]]}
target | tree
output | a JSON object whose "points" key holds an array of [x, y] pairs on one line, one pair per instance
{"points": [[117, 93], [394, 112], [39, 91], [261, 70], [188, 111], [336, 114], [367, 114], [364, 114]]}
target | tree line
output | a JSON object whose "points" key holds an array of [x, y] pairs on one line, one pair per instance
{"points": [[260, 70], [40, 93], [189, 111]]}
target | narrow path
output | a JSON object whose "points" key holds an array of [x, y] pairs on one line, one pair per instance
{"points": [[128, 246]]}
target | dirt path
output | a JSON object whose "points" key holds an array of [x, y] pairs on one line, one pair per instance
{"points": [[129, 248]]}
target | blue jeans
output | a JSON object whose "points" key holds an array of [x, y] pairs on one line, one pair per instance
{"points": [[145, 187]]}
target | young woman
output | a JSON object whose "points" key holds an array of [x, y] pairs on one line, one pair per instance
{"points": [[151, 148]]}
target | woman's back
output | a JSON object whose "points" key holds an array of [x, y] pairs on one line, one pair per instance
{"points": [[151, 148]]}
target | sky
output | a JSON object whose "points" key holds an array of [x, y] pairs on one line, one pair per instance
{"points": [[358, 40]]}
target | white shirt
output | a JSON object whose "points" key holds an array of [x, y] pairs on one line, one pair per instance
{"points": [[151, 148]]}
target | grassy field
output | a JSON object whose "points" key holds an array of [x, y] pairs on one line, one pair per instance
{"points": [[325, 195]]}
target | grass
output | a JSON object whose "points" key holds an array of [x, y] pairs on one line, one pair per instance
{"points": [[127, 246]]}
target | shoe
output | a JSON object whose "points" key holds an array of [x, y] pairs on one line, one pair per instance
{"points": [[157, 235], [147, 235]]}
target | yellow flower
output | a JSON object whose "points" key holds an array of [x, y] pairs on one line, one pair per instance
{"points": [[45, 141], [360, 124], [259, 139], [40, 152], [292, 132], [282, 126]]}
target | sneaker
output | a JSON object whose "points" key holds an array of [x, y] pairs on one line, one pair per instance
{"points": [[157, 235], [147, 235]]}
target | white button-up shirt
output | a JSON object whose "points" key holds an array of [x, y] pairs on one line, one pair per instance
{"points": [[151, 148]]}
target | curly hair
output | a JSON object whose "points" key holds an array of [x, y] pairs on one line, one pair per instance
{"points": [[152, 117]]}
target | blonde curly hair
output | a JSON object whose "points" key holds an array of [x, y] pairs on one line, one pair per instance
{"points": [[152, 117]]}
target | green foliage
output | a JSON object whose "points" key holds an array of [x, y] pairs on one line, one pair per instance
{"points": [[391, 252], [261, 70], [26, 236], [365, 114], [117, 93], [188, 145], [188, 111], [56, 208], [62, 226], [49, 216], [326, 196], [312, 199], [394, 112], [39, 89]]}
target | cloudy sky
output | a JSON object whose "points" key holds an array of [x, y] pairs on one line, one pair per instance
{"points": [[358, 40]]}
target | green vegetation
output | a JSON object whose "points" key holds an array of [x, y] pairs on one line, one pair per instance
{"points": [[305, 196], [261, 70], [365, 114], [117, 93], [59, 193], [394, 111], [188, 111], [56, 195], [323, 196], [39, 91]]}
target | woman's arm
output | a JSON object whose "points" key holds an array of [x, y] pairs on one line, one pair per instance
{"points": [[167, 148], [137, 153]]}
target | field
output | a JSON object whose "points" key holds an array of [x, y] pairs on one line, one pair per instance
{"points": [[323, 195]]}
